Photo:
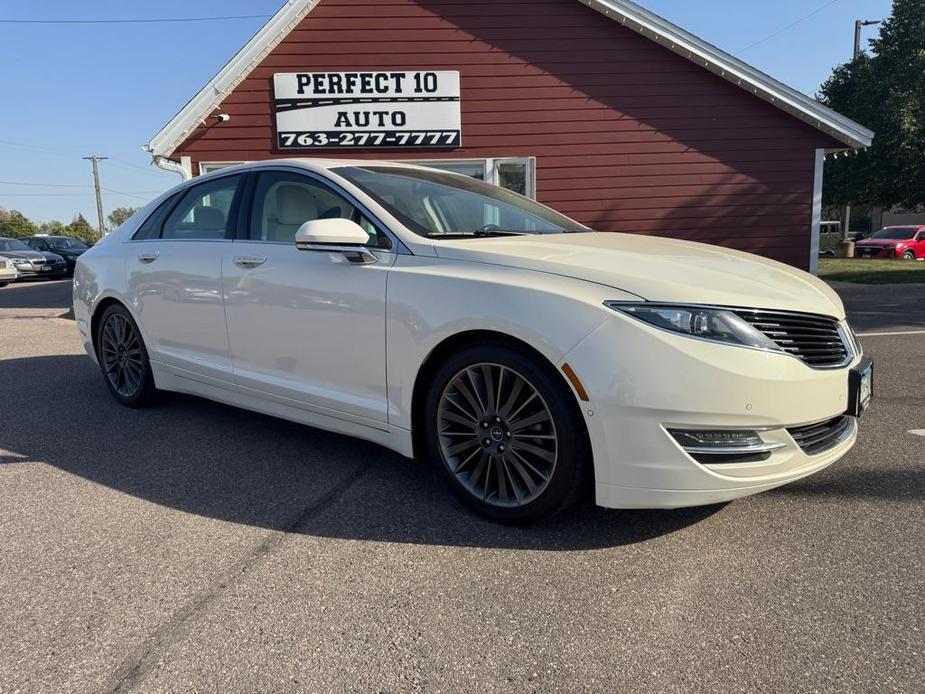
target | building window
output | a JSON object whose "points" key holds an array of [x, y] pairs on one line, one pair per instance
{"points": [[210, 166], [513, 173]]}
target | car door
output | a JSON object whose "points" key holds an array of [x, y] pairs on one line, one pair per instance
{"points": [[920, 244], [306, 328], [174, 279]]}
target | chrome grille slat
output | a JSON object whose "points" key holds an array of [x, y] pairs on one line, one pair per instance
{"points": [[816, 340], [818, 438]]}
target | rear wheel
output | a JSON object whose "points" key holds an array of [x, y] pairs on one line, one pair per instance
{"points": [[506, 433], [909, 255], [124, 359]]}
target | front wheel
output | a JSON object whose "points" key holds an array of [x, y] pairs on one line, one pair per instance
{"points": [[909, 255], [507, 433], [124, 359]]}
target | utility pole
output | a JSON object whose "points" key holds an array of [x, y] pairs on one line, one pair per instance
{"points": [[858, 23], [96, 159], [848, 248]]}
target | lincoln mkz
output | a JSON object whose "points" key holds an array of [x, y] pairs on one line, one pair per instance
{"points": [[456, 322]]}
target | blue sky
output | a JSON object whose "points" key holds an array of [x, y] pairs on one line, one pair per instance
{"points": [[72, 90]]}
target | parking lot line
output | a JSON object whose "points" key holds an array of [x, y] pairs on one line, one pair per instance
{"points": [[899, 332]]}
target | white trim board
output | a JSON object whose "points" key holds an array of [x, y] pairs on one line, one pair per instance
{"points": [[627, 13], [816, 219]]}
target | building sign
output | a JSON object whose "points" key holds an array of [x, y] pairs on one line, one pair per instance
{"points": [[320, 110]]}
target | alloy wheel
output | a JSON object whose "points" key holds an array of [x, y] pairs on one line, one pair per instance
{"points": [[120, 352], [497, 435]]}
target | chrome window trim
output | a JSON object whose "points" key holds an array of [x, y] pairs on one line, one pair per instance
{"points": [[180, 190], [851, 352], [397, 246]]}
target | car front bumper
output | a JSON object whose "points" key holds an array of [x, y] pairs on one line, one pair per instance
{"points": [[874, 252], [31, 272], [642, 381]]}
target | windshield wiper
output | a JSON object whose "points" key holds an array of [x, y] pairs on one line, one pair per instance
{"points": [[474, 234]]}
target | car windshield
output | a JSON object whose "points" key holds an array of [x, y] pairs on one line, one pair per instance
{"points": [[895, 233], [438, 204], [13, 245], [65, 242]]}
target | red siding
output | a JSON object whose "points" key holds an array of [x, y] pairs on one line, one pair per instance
{"points": [[627, 135]]}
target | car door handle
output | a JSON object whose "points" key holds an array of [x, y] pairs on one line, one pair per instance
{"points": [[148, 257], [250, 260]]}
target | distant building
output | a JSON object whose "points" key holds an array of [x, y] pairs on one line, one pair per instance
{"points": [[598, 108]]}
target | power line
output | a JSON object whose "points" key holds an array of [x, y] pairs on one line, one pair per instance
{"points": [[789, 26], [17, 194], [71, 153], [131, 195], [45, 185], [166, 20]]}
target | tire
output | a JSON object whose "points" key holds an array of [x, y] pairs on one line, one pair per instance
{"points": [[123, 358], [3, 284], [519, 459], [909, 255]]}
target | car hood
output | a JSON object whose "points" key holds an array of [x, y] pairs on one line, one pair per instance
{"points": [[880, 243], [656, 269], [71, 251], [31, 255]]}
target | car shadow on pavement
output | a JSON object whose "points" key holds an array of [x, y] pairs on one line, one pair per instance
{"points": [[39, 293], [229, 464]]}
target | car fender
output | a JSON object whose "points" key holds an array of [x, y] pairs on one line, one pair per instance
{"points": [[431, 300]]}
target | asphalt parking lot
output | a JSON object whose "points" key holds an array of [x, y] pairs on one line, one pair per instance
{"points": [[196, 547]]}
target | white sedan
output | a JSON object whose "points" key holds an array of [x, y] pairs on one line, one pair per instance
{"points": [[454, 321], [8, 271]]}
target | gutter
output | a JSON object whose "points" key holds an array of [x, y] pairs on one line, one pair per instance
{"points": [[178, 167]]}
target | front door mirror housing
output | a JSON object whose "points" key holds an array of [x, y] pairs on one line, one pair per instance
{"points": [[343, 236]]}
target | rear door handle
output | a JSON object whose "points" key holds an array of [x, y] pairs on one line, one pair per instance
{"points": [[148, 257], [250, 260]]}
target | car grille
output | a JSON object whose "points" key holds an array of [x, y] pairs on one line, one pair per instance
{"points": [[818, 438], [816, 340]]}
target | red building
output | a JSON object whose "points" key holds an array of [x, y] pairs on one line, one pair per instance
{"points": [[598, 108]]}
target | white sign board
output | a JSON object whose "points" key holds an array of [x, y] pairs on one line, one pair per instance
{"points": [[316, 110]]}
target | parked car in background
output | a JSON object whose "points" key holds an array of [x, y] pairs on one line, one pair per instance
{"points": [[8, 271], [459, 322], [30, 263], [906, 242], [67, 247]]}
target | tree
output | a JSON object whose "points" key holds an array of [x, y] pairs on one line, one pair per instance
{"points": [[80, 228], [53, 228], [886, 92], [119, 215], [16, 224]]}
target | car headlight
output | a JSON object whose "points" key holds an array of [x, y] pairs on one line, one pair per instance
{"points": [[21, 261], [714, 324]]}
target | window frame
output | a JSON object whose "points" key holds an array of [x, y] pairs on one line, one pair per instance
{"points": [[170, 204], [491, 166], [208, 167], [245, 211]]}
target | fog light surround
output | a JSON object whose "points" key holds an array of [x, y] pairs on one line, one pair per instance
{"points": [[713, 446]]}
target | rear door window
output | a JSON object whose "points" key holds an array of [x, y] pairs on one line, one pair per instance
{"points": [[204, 212]]}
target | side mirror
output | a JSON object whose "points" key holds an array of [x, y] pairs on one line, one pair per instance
{"points": [[321, 234], [342, 236]]}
